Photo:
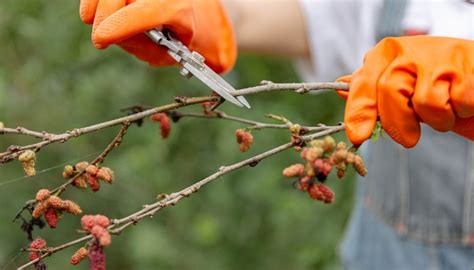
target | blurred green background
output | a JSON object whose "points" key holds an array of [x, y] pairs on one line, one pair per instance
{"points": [[51, 78]]}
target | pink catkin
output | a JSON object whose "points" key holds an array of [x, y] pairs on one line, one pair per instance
{"points": [[321, 192], [96, 256], [165, 123], [105, 174], [92, 170], [42, 194], [97, 226], [82, 165], [294, 170], [304, 183], [51, 217], [244, 139], [79, 255], [102, 220], [93, 183], [87, 222], [101, 234], [56, 202], [38, 243]]}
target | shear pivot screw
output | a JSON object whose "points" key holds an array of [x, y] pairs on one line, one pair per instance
{"points": [[199, 57], [183, 71]]}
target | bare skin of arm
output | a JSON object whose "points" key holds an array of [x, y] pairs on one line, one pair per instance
{"points": [[273, 27]]}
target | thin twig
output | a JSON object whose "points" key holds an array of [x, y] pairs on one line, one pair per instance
{"points": [[24, 131], [252, 124], [299, 87]]}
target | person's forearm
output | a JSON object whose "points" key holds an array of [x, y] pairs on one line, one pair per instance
{"points": [[269, 26]]}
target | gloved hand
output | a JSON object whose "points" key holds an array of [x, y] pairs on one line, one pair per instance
{"points": [[202, 25], [408, 80]]}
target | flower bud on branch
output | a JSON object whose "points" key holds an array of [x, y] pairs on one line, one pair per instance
{"points": [[97, 226], [52, 207], [90, 177], [165, 123], [244, 138], [28, 161], [79, 255], [321, 156]]}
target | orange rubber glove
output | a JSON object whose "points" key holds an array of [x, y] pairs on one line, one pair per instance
{"points": [[408, 80], [202, 25]]}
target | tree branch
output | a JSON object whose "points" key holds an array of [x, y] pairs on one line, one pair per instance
{"points": [[47, 138], [118, 225], [14, 151]]}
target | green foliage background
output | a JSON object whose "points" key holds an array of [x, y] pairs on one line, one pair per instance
{"points": [[51, 78]]}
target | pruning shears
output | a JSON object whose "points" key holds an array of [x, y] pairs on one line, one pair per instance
{"points": [[192, 64]]}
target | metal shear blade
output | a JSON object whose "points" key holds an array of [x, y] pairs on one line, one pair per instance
{"points": [[192, 63]]}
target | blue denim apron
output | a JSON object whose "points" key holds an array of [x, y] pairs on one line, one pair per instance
{"points": [[425, 192], [415, 207]]}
